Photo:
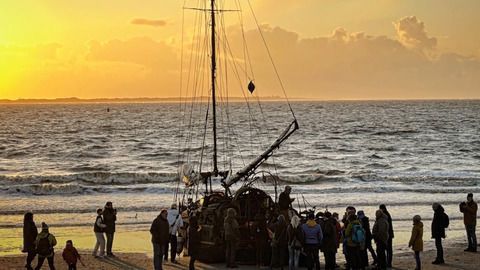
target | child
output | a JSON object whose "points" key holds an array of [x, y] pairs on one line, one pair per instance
{"points": [[70, 255], [416, 240]]}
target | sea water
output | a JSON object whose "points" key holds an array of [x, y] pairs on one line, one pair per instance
{"points": [[63, 161]]}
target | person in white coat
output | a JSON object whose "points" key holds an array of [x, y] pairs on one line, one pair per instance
{"points": [[175, 221]]}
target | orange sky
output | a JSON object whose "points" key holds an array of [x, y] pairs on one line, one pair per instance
{"points": [[325, 49]]}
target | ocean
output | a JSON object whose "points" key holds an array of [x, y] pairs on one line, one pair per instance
{"points": [[63, 161]]}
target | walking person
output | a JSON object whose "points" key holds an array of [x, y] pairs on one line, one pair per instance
{"points": [[469, 210], [232, 236], [416, 240], [175, 221], [365, 221], [193, 241], [29, 236], [160, 234], [109, 218], [439, 223], [329, 243], [295, 240], [70, 256], [313, 239], [390, 235], [45, 242], [380, 235], [98, 228]]}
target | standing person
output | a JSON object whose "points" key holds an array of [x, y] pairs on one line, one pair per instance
{"points": [[285, 202], [295, 240], [160, 234], [261, 238], [29, 236], [98, 228], [175, 221], [329, 245], [380, 235], [352, 232], [45, 242], [365, 221], [109, 218], [390, 235], [313, 239], [439, 223], [279, 243], [193, 241], [469, 210], [70, 255], [232, 236], [416, 240]]}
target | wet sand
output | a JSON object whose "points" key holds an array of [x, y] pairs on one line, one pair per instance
{"points": [[455, 258]]}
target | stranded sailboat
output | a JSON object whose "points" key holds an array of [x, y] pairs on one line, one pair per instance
{"points": [[210, 178]]}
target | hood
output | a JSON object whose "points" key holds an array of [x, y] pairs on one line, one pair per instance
{"points": [[439, 209]]}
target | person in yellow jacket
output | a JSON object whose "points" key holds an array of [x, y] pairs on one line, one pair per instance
{"points": [[416, 240], [44, 243]]}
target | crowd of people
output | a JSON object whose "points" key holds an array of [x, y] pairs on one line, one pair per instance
{"points": [[289, 241]]}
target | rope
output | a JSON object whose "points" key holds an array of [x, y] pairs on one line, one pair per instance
{"points": [[271, 59]]}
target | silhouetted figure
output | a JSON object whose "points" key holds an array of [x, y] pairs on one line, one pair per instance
{"points": [[390, 235], [285, 202], [330, 244], [232, 236], [160, 234], [261, 238], [439, 223], [109, 218], [193, 241], [353, 244], [45, 242], [29, 236], [365, 221], [469, 210], [416, 240], [279, 243], [98, 228], [380, 235], [70, 255]]}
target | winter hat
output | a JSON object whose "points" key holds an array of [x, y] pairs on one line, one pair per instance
{"points": [[44, 226], [470, 195], [417, 218], [361, 214]]}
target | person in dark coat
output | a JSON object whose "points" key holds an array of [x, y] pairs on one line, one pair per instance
{"points": [[232, 236], [365, 221], [109, 218], [193, 240], [329, 245], [279, 243], [160, 231], [469, 210], [390, 235], [285, 203], [380, 235], [30, 233], [45, 243], [261, 238], [439, 223]]}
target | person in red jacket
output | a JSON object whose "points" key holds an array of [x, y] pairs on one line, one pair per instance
{"points": [[70, 255]]}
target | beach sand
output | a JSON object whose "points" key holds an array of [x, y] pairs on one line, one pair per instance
{"points": [[455, 258]]}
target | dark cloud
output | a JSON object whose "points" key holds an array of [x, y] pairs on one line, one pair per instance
{"points": [[154, 23]]}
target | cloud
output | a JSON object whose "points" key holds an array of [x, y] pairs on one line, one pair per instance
{"points": [[411, 33], [149, 22]]}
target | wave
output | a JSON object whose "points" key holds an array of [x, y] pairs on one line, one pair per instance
{"points": [[394, 132]]}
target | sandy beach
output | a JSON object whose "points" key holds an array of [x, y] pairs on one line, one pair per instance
{"points": [[455, 258]]}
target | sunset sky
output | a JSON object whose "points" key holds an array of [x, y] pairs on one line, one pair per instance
{"points": [[324, 49]]}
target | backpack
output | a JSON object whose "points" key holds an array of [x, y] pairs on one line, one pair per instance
{"points": [[358, 234], [446, 220], [44, 248]]}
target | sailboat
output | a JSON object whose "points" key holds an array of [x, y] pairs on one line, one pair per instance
{"points": [[204, 187]]}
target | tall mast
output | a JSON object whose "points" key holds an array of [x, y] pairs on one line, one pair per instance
{"points": [[214, 67]]}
